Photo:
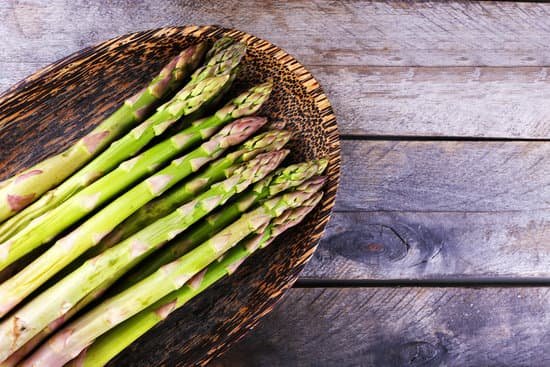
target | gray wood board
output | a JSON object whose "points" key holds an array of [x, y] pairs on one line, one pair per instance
{"points": [[444, 176], [438, 210], [405, 327], [457, 101], [317, 32], [450, 246]]}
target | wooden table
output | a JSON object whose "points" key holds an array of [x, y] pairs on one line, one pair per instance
{"points": [[438, 252]]}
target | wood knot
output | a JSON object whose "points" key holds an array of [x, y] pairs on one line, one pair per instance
{"points": [[380, 241], [419, 353]]}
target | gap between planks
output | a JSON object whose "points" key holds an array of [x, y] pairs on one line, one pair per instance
{"points": [[453, 282], [366, 137]]}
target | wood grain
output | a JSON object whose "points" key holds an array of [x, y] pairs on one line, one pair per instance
{"points": [[406, 327], [316, 32], [449, 246], [454, 101], [408, 209], [445, 176], [342, 37], [439, 210]]}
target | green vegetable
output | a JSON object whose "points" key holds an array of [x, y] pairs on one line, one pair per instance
{"points": [[95, 228], [107, 346], [24, 188], [70, 341], [105, 268], [206, 84]]}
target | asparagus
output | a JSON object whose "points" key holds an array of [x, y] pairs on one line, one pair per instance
{"points": [[18, 355], [70, 341], [22, 189], [110, 344], [206, 83], [271, 140], [91, 231], [104, 269], [284, 179], [216, 171], [219, 45], [268, 140], [41, 230]]}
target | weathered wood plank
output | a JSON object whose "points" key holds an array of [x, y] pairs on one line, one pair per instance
{"points": [[427, 101], [317, 32], [418, 101], [444, 176], [401, 327], [439, 210], [460, 101], [435, 245]]}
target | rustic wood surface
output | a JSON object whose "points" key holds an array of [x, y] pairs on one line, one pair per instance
{"points": [[444, 114], [412, 327]]}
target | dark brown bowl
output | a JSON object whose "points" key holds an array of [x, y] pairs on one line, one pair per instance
{"points": [[48, 110]]}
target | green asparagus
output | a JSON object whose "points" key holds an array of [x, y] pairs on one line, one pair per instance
{"points": [[94, 229], [32, 236], [53, 303], [271, 140], [70, 341], [114, 341], [206, 83], [219, 45], [285, 178], [21, 190]]}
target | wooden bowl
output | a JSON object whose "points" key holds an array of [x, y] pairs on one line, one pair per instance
{"points": [[48, 110]]}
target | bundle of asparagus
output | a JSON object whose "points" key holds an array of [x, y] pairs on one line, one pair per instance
{"points": [[189, 209]]}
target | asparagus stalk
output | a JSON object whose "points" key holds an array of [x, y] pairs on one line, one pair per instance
{"points": [[70, 341], [167, 203], [110, 344], [22, 352], [91, 231], [206, 83], [219, 45], [293, 175], [268, 141], [22, 189], [41, 230], [284, 179], [271, 140], [104, 269]]}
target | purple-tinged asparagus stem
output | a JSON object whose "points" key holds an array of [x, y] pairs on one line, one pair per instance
{"points": [[99, 272], [70, 341], [22, 189], [90, 233], [107, 346]]}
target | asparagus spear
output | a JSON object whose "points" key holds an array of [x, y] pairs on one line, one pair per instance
{"points": [[293, 176], [53, 303], [70, 341], [167, 203], [22, 352], [90, 232], [107, 346], [271, 140], [32, 236], [219, 45], [285, 178], [206, 83], [22, 189]]}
